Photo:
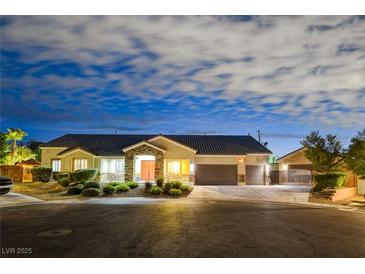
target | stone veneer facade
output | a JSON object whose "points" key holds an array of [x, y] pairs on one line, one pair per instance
{"points": [[143, 150]]}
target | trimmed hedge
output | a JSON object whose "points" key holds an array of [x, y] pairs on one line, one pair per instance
{"points": [[155, 190], [132, 185], [109, 189], [75, 190], [175, 192], [90, 192], [121, 188], [332, 180], [41, 174], [83, 175], [91, 184], [159, 182], [64, 181]]}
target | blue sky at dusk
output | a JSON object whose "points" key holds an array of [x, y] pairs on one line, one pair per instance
{"points": [[184, 75]]}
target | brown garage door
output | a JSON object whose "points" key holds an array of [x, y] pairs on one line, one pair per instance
{"points": [[216, 175], [255, 174]]}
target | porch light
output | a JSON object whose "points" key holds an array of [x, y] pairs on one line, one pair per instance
{"points": [[285, 166], [240, 160]]}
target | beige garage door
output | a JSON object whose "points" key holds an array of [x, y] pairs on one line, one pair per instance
{"points": [[216, 175], [255, 174]]}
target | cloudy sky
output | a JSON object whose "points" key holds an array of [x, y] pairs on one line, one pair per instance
{"points": [[217, 75]]}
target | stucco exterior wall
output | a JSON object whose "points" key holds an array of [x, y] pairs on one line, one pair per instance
{"points": [[297, 158], [256, 159], [50, 153], [67, 161]]}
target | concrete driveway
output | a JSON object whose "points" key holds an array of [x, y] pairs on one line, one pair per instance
{"points": [[274, 193]]}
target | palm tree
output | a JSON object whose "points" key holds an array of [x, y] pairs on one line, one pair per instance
{"points": [[23, 153], [15, 134]]}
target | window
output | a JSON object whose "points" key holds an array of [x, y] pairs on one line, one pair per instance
{"points": [[112, 166], [56, 165], [173, 167], [80, 164], [178, 167]]}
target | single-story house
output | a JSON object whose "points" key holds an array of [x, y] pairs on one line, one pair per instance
{"points": [[295, 167], [199, 159]]}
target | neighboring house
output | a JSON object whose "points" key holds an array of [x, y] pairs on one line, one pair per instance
{"points": [[200, 159], [294, 167]]}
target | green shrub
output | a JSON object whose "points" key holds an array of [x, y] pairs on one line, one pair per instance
{"points": [[90, 192], [147, 186], [121, 188], [332, 180], [55, 175], [83, 175], [115, 183], [159, 182], [109, 189], [59, 175], [64, 181], [132, 185], [72, 177], [91, 184], [41, 174], [185, 188], [75, 190], [176, 184], [155, 190], [166, 187], [175, 192]]}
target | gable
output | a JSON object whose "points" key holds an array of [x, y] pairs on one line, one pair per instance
{"points": [[173, 149]]}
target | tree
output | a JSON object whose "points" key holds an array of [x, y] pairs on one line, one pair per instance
{"points": [[326, 154], [3, 147], [13, 135], [34, 146], [355, 157]]}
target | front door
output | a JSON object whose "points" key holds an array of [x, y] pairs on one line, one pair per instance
{"points": [[147, 170]]}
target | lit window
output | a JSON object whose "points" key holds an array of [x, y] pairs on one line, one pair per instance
{"points": [[173, 167], [112, 166], [184, 167], [178, 167], [80, 164], [56, 165]]}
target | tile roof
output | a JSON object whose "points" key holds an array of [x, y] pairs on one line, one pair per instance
{"points": [[112, 145]]}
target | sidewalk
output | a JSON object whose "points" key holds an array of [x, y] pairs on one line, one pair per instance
{"points": [[11, 199]]}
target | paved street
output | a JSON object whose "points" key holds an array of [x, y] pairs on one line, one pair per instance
{"points": [[182, 228]]}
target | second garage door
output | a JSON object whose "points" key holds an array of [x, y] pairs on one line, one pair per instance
{"points": [[216, 175], [255, 174]]}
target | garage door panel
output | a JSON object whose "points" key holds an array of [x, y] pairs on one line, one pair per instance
{"points": [[216, 175], [255, 174]]}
